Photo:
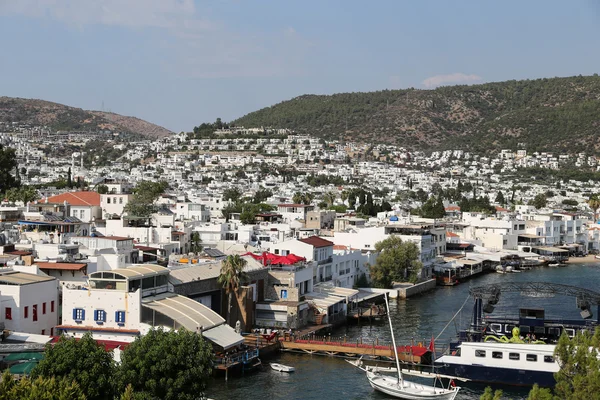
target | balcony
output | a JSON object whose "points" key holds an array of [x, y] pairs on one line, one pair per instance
{"points": [[327, 260]]}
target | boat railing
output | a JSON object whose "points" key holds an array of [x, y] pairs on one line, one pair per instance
{"points": [[238, 357]]}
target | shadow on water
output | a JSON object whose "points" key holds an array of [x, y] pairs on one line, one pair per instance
{"points": [[415, 319]]}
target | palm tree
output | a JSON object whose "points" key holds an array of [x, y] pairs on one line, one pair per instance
{"points": [[329, 198], [196, 242], [594, 203], [232, 275], [302, 198]]}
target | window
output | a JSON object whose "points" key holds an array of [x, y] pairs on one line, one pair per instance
{"points": [[120, 317], [548, 359], [479, 353], [8, 313], [34, 312], [120, 200], [44, 308], [531, 357], [52, 306], [100, 316], [43, 331], [26, 312], [108, 200], [514, 356], [78, 314], [284, 294], [497, 354]]}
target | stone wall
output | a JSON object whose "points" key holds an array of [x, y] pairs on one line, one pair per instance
{"points": [[405, 291]]}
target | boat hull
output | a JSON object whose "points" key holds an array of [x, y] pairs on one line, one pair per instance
{"points": [[409, 390], [505, 376]]}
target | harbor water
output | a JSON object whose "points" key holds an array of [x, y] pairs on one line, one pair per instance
{"points": [[415, 320]]}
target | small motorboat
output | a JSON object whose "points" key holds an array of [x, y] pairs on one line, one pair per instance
{"points": [[282, 368]]}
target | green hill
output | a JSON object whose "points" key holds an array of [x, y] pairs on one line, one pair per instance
{"points": [[556, 114]]}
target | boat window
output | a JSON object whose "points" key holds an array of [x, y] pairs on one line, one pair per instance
{"points": [[508, 328], [496, 327], [570, 332], [531, 357], [479, 353], [496, 354], [548, 359], [514, 356]]}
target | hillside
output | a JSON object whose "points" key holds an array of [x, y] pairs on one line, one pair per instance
{"points": [[61, 117], [556, 114]]}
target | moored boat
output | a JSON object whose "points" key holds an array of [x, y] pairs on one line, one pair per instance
{"points": [[282, 368]]}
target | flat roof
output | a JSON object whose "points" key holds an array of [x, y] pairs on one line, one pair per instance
{"points": [[552, 249], [22, 278], [530, 236]]}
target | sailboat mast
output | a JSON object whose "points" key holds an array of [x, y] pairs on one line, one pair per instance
{"points": [[387, 306]]}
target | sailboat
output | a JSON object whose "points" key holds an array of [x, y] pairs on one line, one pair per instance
{"points": [[402, 388]]}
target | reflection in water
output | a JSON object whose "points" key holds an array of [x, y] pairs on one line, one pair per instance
{"points": [[330, 378]]}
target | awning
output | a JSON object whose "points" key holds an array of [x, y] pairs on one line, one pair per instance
{"points": [[224, 336], [23, 368], [324, 300], [187, 312], [552, 249], [23, 356], [530, 236]]}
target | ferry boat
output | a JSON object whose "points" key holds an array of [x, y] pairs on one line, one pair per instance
{"points": [[515, 350]]}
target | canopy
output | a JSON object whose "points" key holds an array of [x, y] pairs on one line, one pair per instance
{"points": [[270, 258], [23, 368], [23, 356]]}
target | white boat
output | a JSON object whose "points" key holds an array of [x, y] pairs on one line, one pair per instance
{"points": [[282, 368], [402, 388]]}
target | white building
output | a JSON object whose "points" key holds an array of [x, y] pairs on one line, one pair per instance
{"points": [[29, 302]]}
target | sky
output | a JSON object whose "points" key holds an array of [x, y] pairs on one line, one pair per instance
{"points": [[178, 63]]}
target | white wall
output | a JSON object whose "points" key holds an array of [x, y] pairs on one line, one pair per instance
{"points": [[34, 294]]}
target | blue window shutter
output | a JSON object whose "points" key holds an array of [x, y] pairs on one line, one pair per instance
{"points": [[74, 313], [82, 314], [117, 316], [95, 315]]}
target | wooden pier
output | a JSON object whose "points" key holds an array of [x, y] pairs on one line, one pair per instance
{"points": [[324, 345]]}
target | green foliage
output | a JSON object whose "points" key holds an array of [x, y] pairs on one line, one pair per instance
{"points": [[83, 361], [8, 165], [579, 375], [166, 365], [545, 114], [488, 394], [142, 203], [23, 193], [340, 208], [323, 180], [53, 388], [433, 208], [232, 194], [196, 242], [500, 198], [538, 393], [539, 201], [231, 277], [570, 202], [261, 195], [102, 188], [397, 261], [477, 204], [362, 281], [303, 198]]}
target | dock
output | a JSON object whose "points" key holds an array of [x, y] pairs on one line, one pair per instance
{"points": [[341, 347]]}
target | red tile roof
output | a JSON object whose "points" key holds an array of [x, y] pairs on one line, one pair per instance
{"points": [[317, 242], [451, 234], [117, 238], [77, 198], [342, 247], [61, 266], [452, 208], [501, 209]]}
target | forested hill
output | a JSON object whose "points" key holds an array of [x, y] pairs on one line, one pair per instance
{"points": [[60, 117], [556, 114]]}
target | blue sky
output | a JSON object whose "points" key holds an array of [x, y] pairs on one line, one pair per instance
{"points": [[178, 63]]}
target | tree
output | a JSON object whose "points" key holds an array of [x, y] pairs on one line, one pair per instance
{"points": [[69, 180], [232, 275], [26, 194], [261, 195], [538, 393], [397, 261], [500, 198], [488, 394], [302, 198], [8, 164], [579, 374], [594, 203], [539, 201], [166, 365], [232, 194], [102, 188], [196, 242], [142, 203], [81, 360], [433, 208], [40, 388], [329, 198]]}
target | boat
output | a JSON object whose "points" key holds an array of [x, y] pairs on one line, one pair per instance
{"points": [[404, 389], [282, 368], [515, 350]]}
